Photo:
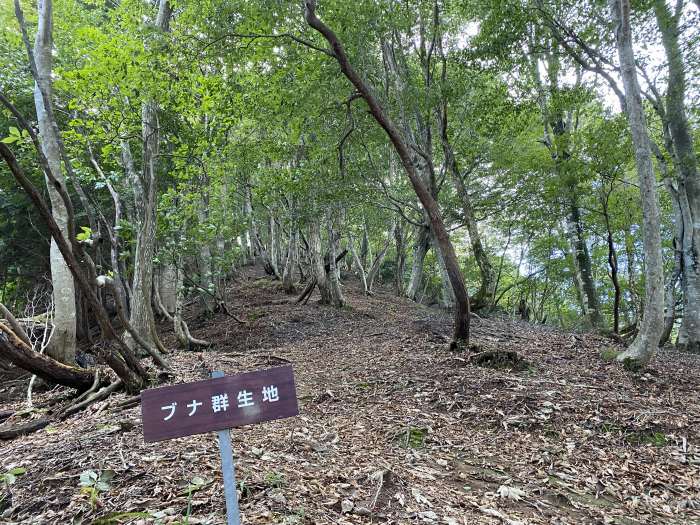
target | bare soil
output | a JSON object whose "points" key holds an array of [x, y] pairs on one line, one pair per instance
{"points": [[394, 428]]}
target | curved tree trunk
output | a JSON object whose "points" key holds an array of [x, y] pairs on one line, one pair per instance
{"points": [[646, 343], [461, 326], [23, 356]]}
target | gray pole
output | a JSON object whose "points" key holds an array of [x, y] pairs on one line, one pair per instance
{"points": [[233, 515]]}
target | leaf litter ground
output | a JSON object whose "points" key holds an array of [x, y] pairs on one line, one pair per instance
{"points": [[394, 428]]}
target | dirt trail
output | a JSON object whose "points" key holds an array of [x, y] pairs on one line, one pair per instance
{"points": [[394, 428]]}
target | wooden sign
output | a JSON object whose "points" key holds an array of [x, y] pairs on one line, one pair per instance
{"points": [[217, 404]]}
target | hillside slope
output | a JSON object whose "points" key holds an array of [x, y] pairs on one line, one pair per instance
{"points": [[393, 428]]}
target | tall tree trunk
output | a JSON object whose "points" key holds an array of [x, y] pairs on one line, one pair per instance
{"points": [[204, 260], [689, 179], [487, 288], [274, 250], [145, 197], [420, 250], [582, 266], [288, 282], [646, 343], [400, 267], [336, 294], [62, 344], [447, 297], [377, 264], [358, 263], [251, 234], [612, 262], [630, 256], [461, 326], [318, 270], [365, 248]]}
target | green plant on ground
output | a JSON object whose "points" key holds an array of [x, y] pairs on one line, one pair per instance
{"points": [[274, 479], [93, 483], [413, 437]]}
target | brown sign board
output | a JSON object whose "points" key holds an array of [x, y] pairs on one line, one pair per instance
{"points": [[217, 404]]}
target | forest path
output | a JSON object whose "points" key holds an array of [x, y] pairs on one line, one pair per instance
{"points": [[393, 428]]}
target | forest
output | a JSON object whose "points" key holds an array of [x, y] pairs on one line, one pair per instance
{"points": [[469, 226]]}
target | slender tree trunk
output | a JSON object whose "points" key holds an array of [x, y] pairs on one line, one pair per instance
{"points": [[612, 262], [631, 258], [582, 266], [677, 272], [336, 294], [145, 201], [378, 260], [365, 248], [461, 326], [62, 344], [252, 239], [487, 289], [274, 246], [689, 179], [358, 263], [420, 250], [318, 270], [399, 238], [646, 343], [206, 281], [288, 282], [447, 298]]}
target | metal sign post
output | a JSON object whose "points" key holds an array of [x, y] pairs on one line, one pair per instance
{"points": [[220, 403], [233, 514]]}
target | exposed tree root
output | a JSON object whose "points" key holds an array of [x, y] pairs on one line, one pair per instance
{"points": [[126, 403], [101, 394], [221, 307], [306, 293], [155, 354]]}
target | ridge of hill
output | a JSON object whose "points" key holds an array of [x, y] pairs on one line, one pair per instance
{"points": [[393, 428]]}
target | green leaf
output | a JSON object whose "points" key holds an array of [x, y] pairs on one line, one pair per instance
{"points": [[88, 478], [85, 235], [10, 139]]}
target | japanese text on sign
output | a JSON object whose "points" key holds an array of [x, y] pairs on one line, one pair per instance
{"points": [[215, 404]]}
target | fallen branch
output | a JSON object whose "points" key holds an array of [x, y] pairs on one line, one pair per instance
{"points": [[14, 324], [223, 308], [23, 356], [21, 430], [5, 414]]}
